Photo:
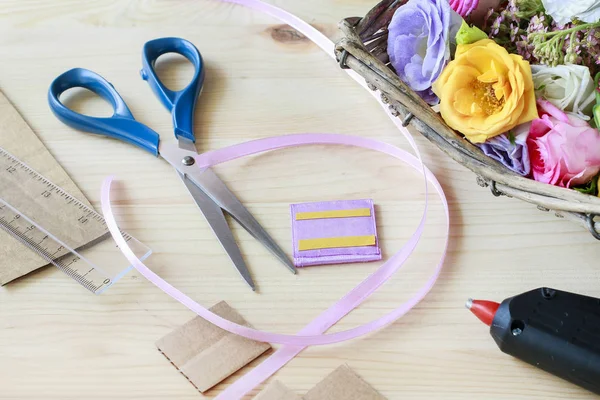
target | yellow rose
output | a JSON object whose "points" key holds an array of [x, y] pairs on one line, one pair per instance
{"points": [[485, 91]]}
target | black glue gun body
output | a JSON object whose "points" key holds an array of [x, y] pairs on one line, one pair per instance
{"points": [[556, 331]]}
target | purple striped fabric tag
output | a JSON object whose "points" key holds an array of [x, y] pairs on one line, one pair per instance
{"points": [[325, 227]]}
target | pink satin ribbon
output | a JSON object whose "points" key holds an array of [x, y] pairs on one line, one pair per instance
{"points": [[312, 334]]}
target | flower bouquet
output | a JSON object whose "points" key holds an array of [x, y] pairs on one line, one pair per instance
{"points": [[508, 88]]}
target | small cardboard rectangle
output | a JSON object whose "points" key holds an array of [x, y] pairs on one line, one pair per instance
{"points": [[343, 384], [206, 354], [277, 391]]}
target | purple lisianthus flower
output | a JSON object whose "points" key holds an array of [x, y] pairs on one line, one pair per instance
{"points": [[510, 149], [419, 43]]}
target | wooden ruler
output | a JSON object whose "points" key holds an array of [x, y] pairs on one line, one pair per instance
{"points": [[52, 223], [19, 139], [44, 217]]}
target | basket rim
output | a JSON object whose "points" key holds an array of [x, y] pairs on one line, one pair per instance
{"points": [[352, 53]]}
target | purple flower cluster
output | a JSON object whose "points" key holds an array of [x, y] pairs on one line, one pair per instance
{"points": [[522, 27], [510, 27], [591, 44]]}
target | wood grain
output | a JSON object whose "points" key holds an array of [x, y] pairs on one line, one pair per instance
{"points": [[59, 342], [277, 391]]}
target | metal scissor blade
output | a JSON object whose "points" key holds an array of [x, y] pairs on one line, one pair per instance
{"points": [[209, 183], [186, 144], [220, 193], [215, 218]]}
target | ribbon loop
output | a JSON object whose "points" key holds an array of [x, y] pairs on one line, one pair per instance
{"points": [[313, 333]]}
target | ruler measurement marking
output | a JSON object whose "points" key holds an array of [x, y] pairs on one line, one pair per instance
{"points": [[53, 187], [84, 275], [29, 235], [85, 282]]}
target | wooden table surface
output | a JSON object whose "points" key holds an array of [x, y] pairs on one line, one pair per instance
{"points": [[59, 342]]}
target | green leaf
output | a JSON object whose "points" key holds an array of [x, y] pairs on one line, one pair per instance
{"points": [[512, 138], [590, 188], [596, 87], [596, 112], [469, 34]]}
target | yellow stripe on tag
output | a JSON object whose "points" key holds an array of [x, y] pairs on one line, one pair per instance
{"points": [[342, 241], [356, 212]]}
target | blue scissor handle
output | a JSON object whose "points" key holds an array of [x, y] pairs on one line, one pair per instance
{"points": [[122, 125], [183, 102]]}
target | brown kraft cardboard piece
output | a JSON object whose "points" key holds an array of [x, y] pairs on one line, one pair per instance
{"points": [[343, 384], [17, 138], [206, 354]]}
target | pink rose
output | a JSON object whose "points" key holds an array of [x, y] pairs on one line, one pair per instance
{"points": [[564, 150], [464, 7], [476, 9]]}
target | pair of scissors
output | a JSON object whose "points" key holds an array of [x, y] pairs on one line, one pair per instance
{"points": [[208, 191]]}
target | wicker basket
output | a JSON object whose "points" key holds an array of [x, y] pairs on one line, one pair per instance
{"points": [[363, 48]]}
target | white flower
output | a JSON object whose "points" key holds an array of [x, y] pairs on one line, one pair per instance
{"points": [[569, 87], [563, 11]]}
